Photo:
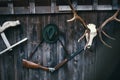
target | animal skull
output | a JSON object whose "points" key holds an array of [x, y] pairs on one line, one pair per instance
{"points": [[93, 33]]}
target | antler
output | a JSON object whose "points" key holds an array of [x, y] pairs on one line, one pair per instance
{"points": [[90, 29], [76, 17], [100, 29]]}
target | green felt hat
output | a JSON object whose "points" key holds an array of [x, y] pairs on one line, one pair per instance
{"points": [[50, 33]]}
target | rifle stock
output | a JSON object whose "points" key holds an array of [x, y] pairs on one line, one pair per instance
{"points": [[29, 64], [32, 65], [61, 64]]}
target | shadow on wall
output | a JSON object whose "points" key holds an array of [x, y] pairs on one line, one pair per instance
{"points": [[115, 75], [108, 60]]}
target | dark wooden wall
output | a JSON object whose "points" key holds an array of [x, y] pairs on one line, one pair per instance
{"points": [[98, 64]]}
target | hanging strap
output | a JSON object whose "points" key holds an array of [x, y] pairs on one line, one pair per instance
{"points": [[50, 34], [34, 50]]}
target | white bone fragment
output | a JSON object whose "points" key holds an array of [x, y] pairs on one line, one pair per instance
{"points": [[8, 24], [5, 40], [23, 40]]}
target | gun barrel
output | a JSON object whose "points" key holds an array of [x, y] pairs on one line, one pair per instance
{"points": [[75, 54]]}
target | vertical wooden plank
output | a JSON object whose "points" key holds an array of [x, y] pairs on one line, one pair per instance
{"points": [[28, 24], [79, 59], [11, 8], [115, 4], [33, 36], [53, 6], [70, 46], [15, 34], [28, 49], [8, 70], [19, 35], [88, 57], [46, 49], [32, 6], [1, 69], [95, 4], [60, 51]]}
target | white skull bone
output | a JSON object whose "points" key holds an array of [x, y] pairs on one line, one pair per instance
{"points": [[93, 33]]}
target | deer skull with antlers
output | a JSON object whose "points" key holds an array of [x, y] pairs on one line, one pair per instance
{"points": [[91, 30]]}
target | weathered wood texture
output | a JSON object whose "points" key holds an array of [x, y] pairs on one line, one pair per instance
{"points": [[54, 6], [97, 64]]}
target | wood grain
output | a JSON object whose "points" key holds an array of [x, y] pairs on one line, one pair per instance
{"points": [[86, 66]]}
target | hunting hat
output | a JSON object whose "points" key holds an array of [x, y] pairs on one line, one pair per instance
{"points": [[50, 33]]}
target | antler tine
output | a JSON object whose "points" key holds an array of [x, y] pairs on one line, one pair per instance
{"points": [[74, 12], [104, 41], [87, 41], [76, 16], [82, 36], [114, 17], [116, 14]]}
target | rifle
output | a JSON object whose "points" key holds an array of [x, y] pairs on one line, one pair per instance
{"points": [[29, 64], [48, 38]]}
